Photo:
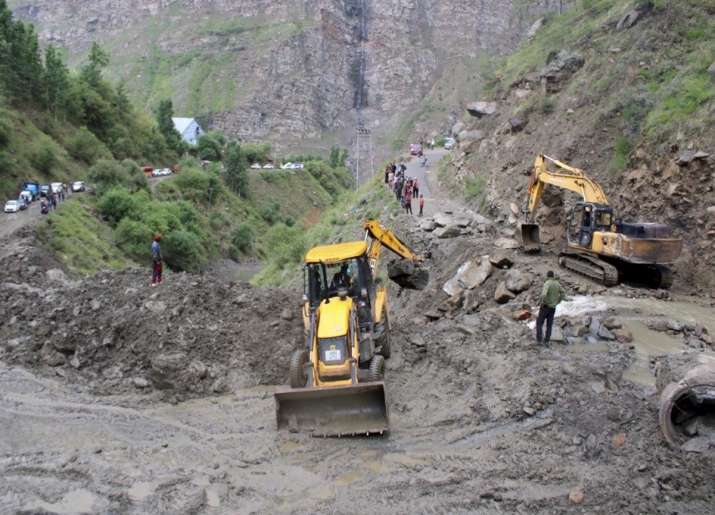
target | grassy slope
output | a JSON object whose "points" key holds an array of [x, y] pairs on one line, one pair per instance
{"points": [[21, 158]]}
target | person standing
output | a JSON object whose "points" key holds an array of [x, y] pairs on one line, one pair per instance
{"points": [[415, 188], [551, 295], [156, 261], [408, 200], [422, 203]]}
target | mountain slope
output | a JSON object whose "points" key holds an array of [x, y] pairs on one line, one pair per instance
{"points": [[293, 70]]}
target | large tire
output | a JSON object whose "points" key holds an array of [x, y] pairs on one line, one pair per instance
{"points": [[377, 369], [297, 376], [384, 342]]}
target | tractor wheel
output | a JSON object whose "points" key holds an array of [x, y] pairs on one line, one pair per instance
{"points": [[298, 379], [377, 368], [384, 343]]}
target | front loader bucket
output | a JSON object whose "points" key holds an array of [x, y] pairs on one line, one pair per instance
{"points": [[333, 411], [530, 237]]}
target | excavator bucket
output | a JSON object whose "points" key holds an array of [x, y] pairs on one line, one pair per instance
{"points": [[530, 237], [351, 410]]}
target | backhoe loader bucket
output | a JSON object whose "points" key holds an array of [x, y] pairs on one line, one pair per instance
{"points": [[530, 237], [335, 411]]}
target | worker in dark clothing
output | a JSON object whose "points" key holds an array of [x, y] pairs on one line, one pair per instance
{"points": [[156, 261], [341, 279], [551, 296]]}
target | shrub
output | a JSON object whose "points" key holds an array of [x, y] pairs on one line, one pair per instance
{"points": [[183, 250], [271, 212], [116, 204], [257, 152], [84, 146], [286, 244], [43, 158], [5, 131], [243, 240], [621, 155], [134, 238], [209, 148], [198, 186], [106, 174]]}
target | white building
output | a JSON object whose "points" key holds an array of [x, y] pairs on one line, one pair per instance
{"points": [[189, 129]]}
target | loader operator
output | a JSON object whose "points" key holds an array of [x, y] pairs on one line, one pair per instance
{"points": [[341, 279]]}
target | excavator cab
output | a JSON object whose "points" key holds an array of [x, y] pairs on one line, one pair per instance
{"points": [[584, 220]]}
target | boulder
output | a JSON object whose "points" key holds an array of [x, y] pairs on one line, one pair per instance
{"points": [[623, 336], [605, 334], [443, 219], [452, 287], [629, 19], [447, 232], [535, 27], [466, 137], [502, 295], [457, 128], [689, 156], [480, 109], [517, 124], [517, 281], [155, 306], [56, 275], [50, 356], [711, 71], [506, 243], [521, 315], [501, 259], [470, 275], [428, 225], [169, 363]]}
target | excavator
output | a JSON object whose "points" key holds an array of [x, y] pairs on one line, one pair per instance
{"points": [[336, 379], [599, 245]]}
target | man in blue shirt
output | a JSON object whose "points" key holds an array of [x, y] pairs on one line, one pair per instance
{"points": [[156, 260]]}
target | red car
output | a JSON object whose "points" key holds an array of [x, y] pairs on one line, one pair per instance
{"points": [[415, 149]]}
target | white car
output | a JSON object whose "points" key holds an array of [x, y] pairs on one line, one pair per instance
{"points": [[287, 166], [27, 195], [56, 187], [268, 166], [12, 206], [449, 143], [256, 166], [78, 186]]}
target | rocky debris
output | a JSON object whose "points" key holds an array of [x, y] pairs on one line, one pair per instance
{"points": [[502, 295], [694, 334], [521, 315], [408, 275], [481, 108], [689, 156], [427, 225], [517, 281], [447, 232], [457, 128]]}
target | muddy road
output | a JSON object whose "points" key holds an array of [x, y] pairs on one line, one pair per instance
{"points": [[119, 398]]}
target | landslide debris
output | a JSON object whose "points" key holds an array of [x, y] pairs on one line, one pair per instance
{"points": [[113, 333]]}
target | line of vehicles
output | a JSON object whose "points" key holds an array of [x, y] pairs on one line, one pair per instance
{"points": [[32, 191], [284, 166]]}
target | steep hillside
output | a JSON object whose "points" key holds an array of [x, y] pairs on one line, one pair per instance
{"points": [[622, 89], [294, 71]]}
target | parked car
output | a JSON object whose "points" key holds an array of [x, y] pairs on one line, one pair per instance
{"points": [[449, 143], [12, 206], [268, 166], [57, 187], [27, 195], [23, 203], [415, 149], [78, 186], [45, 190], [256, 166]]}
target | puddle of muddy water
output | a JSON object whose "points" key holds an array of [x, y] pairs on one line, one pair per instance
{"points": [[647, 344]]}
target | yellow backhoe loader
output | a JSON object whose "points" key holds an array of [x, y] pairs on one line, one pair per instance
{"points": [[599, 245], [336, 381]]}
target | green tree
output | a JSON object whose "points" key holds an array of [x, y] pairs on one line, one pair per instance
{"points": [[209, 148], [236, 170], [98, 59], [56, 81], [164, 114]]}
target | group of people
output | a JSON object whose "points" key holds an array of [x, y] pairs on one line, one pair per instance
{"points": [[49, 203], [405, 188]]}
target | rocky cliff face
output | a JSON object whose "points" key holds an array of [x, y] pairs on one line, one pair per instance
{"points": [[290, 70]]}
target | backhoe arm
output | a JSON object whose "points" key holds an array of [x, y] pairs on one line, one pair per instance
{"points": [[566, 177], [382, 236]]}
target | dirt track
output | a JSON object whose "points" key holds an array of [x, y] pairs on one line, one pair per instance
{"points": [[481, 419]]}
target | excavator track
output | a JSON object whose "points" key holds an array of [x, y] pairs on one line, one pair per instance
{"points": [[590, 266]]}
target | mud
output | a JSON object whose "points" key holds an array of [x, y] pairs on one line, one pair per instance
{"points": [[481, 419]]}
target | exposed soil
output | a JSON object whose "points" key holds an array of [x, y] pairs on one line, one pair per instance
{"points": [[120, 398]]}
